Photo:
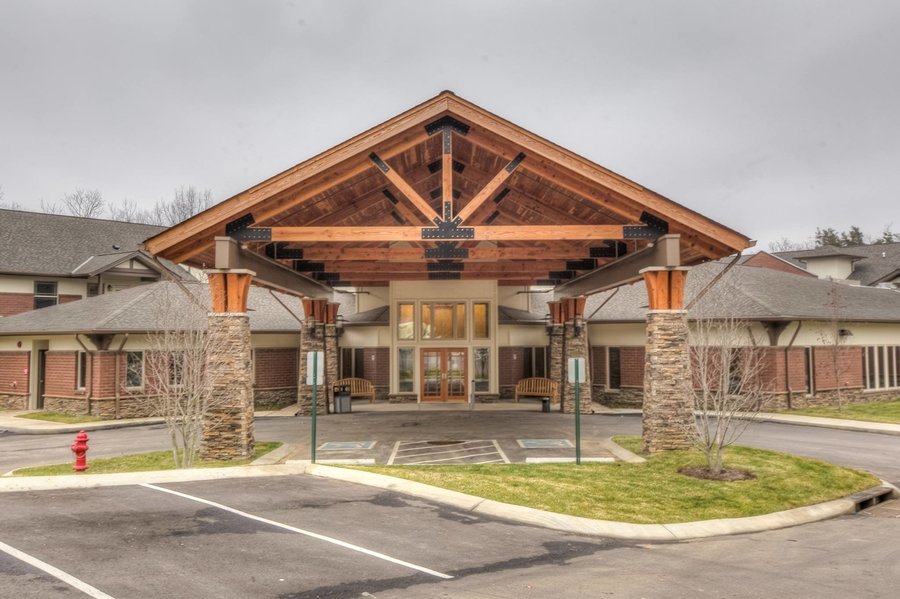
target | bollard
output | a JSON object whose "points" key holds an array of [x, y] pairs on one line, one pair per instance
{"points": [[79, 448]]}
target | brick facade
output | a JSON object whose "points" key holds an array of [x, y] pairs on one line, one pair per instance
{"points": [[276, 371], [15, 303], [14, 379]]}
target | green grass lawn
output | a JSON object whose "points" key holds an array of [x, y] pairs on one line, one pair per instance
{"points": [[876, 411], [60, 417], [652, 492], [142, 462]]}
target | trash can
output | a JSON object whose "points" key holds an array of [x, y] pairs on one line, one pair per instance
{"points": [[342, 402], [545, 405]]}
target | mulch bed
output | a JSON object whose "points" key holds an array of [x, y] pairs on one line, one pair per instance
{"points": [[727, 474]]}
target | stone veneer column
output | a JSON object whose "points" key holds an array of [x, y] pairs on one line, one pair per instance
{"points": [[312, 338], [228, 423], [331, 359], [576, 346], [668, 410], [556, 348]]}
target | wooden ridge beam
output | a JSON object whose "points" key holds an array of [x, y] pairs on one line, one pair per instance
{"points": [[529, 266], [422, 276]]}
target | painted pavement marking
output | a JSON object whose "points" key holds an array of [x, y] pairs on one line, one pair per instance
{"points": [[301, 531], [409, 453], [55, 572], [346, 445], [544, 443]]}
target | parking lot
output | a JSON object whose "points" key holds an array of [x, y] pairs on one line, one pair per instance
{"points": [[292, 536]]}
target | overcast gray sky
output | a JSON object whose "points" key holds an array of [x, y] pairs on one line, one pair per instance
{"points": [[772, 117]]}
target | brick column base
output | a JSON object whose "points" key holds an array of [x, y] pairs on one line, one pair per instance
{"points": [[668, 421], [228, 423]]}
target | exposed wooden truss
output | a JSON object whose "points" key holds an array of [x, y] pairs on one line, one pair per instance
{"points": [[479, 233]]}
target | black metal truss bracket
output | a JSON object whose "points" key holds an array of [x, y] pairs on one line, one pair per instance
{"points": [[613, 249], [637, 232], [585, 264], [515, 162], [446, 251], [562, 275], [307, 266], [438, 165], [654, 222], [444, 276], [451, 232], [446, 122], [327, 276], [444, 265], [239, 224], [281, 251], [253, 234]]}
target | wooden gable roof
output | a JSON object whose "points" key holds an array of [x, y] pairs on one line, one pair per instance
{"points": [[357, 213]]}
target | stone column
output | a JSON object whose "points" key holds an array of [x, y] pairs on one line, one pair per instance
{"points": [[228, 422], [668, 411], [318, 333], [312, 338], [576, 346], [556, 348]]}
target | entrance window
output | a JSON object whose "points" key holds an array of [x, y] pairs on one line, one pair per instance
{"points": [[534, 362], [443, 320], [405, 364], [352, 362], [406, 326], [482, 375], [481, 320], [45, 294]]}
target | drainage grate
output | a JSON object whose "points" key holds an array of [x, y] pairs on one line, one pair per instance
{"points": [[544, 443]]}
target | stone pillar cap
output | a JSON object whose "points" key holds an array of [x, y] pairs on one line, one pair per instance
{"points": [[233, 271], [659, 268]]}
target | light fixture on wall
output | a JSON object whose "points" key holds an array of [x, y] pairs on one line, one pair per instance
{"points": [[845, 333]]}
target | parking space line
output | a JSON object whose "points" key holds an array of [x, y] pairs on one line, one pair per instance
{"points": [[393, 453], [500, 451], [476, 455], [307, 533], [418, 455], [55, 572]]}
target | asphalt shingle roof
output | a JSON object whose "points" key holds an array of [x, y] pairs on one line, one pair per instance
{"points": [[152, 307], [54, 244], [872, 263], [756, 294]]}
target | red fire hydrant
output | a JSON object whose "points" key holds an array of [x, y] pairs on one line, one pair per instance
{"points": [[80, 447]]}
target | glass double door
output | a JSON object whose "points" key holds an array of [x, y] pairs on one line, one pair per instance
{"points": [[444, 374]]}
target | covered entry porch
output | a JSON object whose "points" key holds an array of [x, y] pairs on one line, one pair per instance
{"points": [[413, 238]]}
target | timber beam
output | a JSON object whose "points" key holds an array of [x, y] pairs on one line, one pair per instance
{"points": [[665, 252], [476, 254], [268, 273], [480, 233]]}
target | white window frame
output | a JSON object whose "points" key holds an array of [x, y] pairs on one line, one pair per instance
{"points": [[143, 369]]}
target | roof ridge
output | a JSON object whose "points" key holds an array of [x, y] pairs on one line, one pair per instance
{"points": [[140, 296], [105, 220]]}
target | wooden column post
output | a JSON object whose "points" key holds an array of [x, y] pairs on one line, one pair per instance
{"points": [[569, 339], [229, 290]]}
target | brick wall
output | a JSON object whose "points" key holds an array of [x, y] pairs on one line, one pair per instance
{"points": [[849, 363], [511, 365], [65, 299], [632, 366], [15, 303], [376, 365], [276, 368], [598, 367], [13, 367], [59, 378]]}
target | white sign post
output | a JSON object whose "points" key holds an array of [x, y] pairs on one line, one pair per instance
{"points": [[315, 372], [576, 372]]}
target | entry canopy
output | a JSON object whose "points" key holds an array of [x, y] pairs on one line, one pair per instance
{"points": [[446, 191]]}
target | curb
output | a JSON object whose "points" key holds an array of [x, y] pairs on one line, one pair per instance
{"points": [[838, 424], [681, 531], [91, 481], [75, 428]]}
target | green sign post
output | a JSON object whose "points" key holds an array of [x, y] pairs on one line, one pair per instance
{"points": [[576, 371], [314, 361]]}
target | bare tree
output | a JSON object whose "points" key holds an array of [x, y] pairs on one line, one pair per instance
{"points": [[787, 245], [129, 212], [185, 203], [52, 208], [86, 203], [833, 337], [728, 381], [8, 205], [179, 386]]}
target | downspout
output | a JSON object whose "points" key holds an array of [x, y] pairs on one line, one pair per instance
{"points": [[90, 389], [787, 374], [118, 378]]}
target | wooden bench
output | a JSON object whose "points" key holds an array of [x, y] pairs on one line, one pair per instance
{"points": [[536, 387], [359, 388]]}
